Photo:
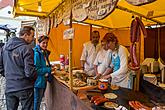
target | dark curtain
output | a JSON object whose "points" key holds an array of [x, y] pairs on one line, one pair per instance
{"points": [[162, 44], [151, 43]]}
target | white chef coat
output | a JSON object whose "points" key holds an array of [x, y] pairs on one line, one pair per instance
{"points": [[120, 77], [102, 54], [89, 54]]}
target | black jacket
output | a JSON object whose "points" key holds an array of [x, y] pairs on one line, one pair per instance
{"points": [[17, 65]]}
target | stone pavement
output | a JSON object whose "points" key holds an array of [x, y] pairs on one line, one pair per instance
{"points": [[2, 96]]}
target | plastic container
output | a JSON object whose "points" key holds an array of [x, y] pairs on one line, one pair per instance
{"points": [[103, 84], [62, 62]]}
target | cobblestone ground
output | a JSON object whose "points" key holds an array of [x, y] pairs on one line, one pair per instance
{"points": [[2, 96]]}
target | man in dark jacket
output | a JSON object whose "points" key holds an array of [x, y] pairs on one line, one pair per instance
{"points": [[17, 65]]}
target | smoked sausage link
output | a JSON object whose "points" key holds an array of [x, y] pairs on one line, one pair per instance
{"points": [[140, 23], [101, 100], [94, 98]]}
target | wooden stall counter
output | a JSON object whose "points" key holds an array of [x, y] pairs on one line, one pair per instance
{"points": [[59, 97]]}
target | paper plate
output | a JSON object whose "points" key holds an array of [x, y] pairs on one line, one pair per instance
{"points": [[110, 95], [110, 105], [149, 75], [162, 85]]}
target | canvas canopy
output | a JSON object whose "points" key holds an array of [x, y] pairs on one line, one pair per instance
{"points": [[121, 17]]}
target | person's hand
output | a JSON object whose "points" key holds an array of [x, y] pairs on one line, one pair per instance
{"points": [[138, 106], [46, 75], [98, 75], [53, 68]]}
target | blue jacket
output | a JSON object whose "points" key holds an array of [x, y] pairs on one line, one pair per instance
{"points": [[16, 64], [41, 67]]}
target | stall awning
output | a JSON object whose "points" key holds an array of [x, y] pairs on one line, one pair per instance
{"points": [[153, 13]]}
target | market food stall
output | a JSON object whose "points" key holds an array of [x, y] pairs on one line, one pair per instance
{"points": [[98, 14]]}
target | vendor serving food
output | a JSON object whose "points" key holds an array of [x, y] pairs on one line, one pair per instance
{"points": [[89, 53], [117, 61], [102, 54]]}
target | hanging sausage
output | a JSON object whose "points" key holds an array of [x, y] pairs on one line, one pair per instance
{"points": [[136, 27]]}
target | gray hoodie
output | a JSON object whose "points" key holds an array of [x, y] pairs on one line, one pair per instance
{"points": [[16, 62]]}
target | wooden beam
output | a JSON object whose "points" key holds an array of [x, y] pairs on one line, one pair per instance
{"points": [[158, 16], [92, 24], [28, 10], [136, 13], [25, 14]]}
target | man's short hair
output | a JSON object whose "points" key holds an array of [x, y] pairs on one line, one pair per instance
{"points": [[26, 29], [96, 32]]}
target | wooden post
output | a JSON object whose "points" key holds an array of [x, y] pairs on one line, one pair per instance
{"points": [[70, 55], [90, 31], [159, 42], [138, 72]]}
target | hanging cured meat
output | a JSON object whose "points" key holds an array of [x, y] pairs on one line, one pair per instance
{"points": [[136, 27], [67, 13], [55, 20], [59, 15], [52, 22], [48, 25], [139, 2]]}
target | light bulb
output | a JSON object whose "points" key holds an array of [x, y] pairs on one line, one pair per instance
{"points": [[21, 8], [39, 7]]}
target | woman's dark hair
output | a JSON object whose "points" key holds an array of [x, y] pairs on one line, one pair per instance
{"points": [[26, 29], [43, 37], [110, 37]]}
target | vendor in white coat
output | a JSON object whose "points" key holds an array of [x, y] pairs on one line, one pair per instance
{"points": [[90, 50], [118, 61], [102, 54]]}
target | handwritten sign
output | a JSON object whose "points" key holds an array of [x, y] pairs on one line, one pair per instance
{"points": [[99, 9], [139, 2], [41, 26], [69, 34]]}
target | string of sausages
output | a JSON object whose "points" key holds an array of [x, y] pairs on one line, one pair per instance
{"points": [[136, 27]]}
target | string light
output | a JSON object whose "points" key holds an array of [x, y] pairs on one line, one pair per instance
{"points": [[39, 6], [21, 8]]}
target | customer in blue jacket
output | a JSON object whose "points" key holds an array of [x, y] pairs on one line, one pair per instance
{"points": [[17, 65], [43, 68]]}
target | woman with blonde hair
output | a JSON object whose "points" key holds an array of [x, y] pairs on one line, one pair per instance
{"points": [[117, 62]]}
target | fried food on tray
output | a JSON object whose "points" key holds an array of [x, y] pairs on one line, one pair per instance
{"points": [[78, 83]]}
